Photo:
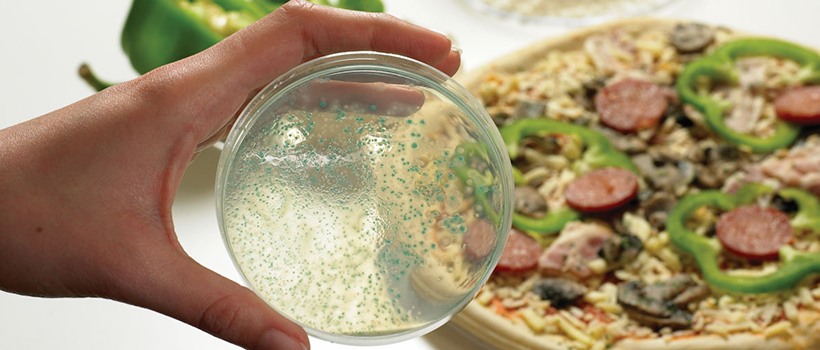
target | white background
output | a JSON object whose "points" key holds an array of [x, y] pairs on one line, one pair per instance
{"points": [[45, 41]]}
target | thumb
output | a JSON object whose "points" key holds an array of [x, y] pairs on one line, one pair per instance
{"points": [[202, 298]]}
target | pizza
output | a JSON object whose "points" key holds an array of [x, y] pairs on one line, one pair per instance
{"points": [[667, 180]]}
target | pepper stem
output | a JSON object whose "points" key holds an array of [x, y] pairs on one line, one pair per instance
{"points": [[88, 75]]}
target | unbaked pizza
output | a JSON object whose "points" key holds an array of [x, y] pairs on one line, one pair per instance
{"points": [[667, 179]]}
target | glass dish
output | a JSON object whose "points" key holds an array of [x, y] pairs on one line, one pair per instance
{"points": [[365, 196], [565, 12]]}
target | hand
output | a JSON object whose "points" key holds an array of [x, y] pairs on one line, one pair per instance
{"points": [[86, 191]]}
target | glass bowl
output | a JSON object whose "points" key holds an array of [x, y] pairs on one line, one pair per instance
{"points": [[365, 196]]}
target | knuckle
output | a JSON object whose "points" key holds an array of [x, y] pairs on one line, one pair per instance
{"points": [[222, 317], [297, 7]]}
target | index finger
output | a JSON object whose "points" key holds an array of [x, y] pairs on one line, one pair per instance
{"points": [[300, 30]]}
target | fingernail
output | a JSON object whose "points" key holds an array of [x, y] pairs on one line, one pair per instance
{"points": [[275, 340], [456, 49]]}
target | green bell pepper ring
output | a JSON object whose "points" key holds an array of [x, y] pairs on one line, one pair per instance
{"points": [[598, 154], [719, 66], [796, 264], [482, 183]]}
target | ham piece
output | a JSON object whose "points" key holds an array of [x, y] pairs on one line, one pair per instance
{"points": [[799, 167], [570, 254]]}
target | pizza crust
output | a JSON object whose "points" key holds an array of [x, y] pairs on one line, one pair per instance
{"points": [[497, 331]]}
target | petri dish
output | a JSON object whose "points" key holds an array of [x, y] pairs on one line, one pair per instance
{"points": [[365, 196], [565, 12]]}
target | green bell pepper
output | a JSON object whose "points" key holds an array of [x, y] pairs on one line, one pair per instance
{"points": [[796, 264], [598, 154], [158, 32], [719, 66], [482, 183]]}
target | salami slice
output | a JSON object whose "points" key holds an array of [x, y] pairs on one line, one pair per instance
{"points": [[754, 232], [479, 240], [799, 105], [602, 190], [631, 105], [520, 254]]}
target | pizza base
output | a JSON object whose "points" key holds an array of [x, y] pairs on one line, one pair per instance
{"points": [[495, 330]]}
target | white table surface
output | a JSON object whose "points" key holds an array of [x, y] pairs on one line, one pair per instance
{"points": [[46, 41]]}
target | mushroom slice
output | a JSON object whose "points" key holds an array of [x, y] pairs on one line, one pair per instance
{"points": [[529, 202], [560, 292], [661, 304], [691, 37]]}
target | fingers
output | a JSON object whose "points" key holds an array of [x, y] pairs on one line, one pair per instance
{"points": [[193, 294], [300, 30]]}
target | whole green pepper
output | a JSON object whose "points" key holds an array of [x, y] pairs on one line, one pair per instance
{"points": [[719, 66], [598, 154], [158, 32], [796, 264]]}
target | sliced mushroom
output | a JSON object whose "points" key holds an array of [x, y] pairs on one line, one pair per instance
{"points": [[530, 109], [657, 208], [721, 161], [529, 202], [560, 292], [691, 37], [665, 174], [692, 294], [618, 249], [629, 143], [661, 304]]}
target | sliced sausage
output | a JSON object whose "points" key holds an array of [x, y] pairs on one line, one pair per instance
{"points": [[754, 232], [602, 190], [631, 105], [479, 240], [799, 105], [520, 254]]}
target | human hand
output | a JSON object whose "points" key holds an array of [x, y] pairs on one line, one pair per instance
{"points": [[87, 190]]}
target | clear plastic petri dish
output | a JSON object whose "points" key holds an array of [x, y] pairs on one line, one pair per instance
{"points": [[565, 12], [365, 196]]}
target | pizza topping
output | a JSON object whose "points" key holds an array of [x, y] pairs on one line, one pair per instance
{"points": [[663, 173], [588, 150], [747, 110], [657, 208], [573, 250], [799, 105], [661, 304], [529, 109], [479, 240], [602, 190], [529, 202], [751, 232], [719, 65], [560, 292], [719, 162], [799, 167], [625, 143], [631, 105], [619, 249], [691, 37], [520, 253], [754, 232]]}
